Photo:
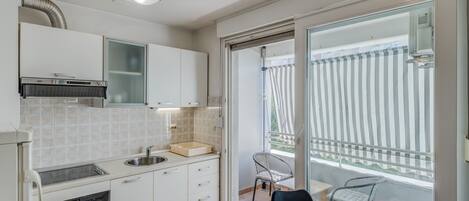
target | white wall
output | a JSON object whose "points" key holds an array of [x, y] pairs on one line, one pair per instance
{"points": [[115, 26], [9, 98], [206, 40], [281, 49], [275, 12], [249, 112], [463, 167]]}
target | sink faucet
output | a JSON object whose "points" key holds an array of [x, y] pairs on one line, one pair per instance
{"points": [[148, 151]]}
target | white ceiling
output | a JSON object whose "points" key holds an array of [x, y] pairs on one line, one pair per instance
{"points": [[191, 14]]}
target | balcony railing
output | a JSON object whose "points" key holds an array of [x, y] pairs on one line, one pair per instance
{"points": [[282, 141]]}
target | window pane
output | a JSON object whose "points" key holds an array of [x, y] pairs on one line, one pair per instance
{"points": [[370, 95]]}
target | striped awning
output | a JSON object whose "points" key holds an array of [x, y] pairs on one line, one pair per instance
{"points": [[372, 109]]}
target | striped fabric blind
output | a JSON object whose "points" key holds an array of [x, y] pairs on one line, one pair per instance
{"points": [[373, 110], [281, 80], [280, 97]]}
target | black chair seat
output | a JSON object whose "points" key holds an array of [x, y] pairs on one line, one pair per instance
{"points": [[299, 195]]}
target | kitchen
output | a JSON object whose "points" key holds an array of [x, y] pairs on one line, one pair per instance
{"points": [[96, 99], [118, 100]]}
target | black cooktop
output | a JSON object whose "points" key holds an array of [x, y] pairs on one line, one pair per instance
{"points": [[69, 174]]}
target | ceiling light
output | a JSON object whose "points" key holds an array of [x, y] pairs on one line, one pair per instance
{"points": [[147, 2]]}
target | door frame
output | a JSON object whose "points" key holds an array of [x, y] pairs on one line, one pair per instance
{"points": [[309, 25], [450, 179], [229, 181]]}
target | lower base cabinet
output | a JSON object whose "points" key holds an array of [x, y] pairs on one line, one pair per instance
{"points": [[171, 184], [204, 181], [133, 188], [193, 182]]}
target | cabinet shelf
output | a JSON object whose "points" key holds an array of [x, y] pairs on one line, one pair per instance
{"points": [[125, 70], [125, 73]]}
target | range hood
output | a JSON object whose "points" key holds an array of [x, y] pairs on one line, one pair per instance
{"points": [[56, 62], [60, 63], [48, 87]]}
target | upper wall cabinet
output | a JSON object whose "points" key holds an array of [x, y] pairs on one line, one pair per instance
{"points": [[164, 83], [176, 77], [193, 78], [126, 72], [48, 52]]}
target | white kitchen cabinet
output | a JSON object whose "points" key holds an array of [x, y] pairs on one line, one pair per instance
{"points": [[164, 70], [193, 78], [125, 71], [197, 181], [211, 195], [176, 77], [133, 188], [204, 181], [171, 184], [48, 52], [205, 168]]}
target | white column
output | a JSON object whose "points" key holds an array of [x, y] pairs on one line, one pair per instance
{"points": [[9, 98]]}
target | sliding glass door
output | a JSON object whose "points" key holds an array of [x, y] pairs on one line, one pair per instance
{"points": [[369, 106]]}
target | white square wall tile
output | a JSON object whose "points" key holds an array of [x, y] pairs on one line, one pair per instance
{"points": [[79, 133]]}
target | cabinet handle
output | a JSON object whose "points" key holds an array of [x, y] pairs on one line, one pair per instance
{"points": [[131, 180], [205, 198], [204, 183], [165, 103], [63, 75], [202, 169], [194, 103], [170, 172]]}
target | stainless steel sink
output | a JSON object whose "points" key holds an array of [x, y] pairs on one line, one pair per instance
{"points": [[145, 161]]}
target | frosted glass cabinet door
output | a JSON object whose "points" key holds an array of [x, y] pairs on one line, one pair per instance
{"points": [[164, 68], [125, 71]]}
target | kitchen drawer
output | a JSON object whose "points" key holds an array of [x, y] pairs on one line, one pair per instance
{"points": [[203, 184], [211, 195], [134, 188], [203, 168]]}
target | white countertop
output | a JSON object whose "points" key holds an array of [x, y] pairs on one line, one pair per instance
{"points": [[117, 169], [15, 137]]}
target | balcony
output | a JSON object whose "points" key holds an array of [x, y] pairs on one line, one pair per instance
{"points": [[284, 142]]}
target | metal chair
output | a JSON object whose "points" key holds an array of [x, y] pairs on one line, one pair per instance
{"points": [[270, 168], [357, 189], [299, 195]]}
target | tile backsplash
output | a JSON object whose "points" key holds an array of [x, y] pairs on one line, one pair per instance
{"points": [[207, 126], [66, 131]]}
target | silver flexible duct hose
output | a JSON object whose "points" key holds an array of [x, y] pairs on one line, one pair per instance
{"points": [[57, 18]]}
